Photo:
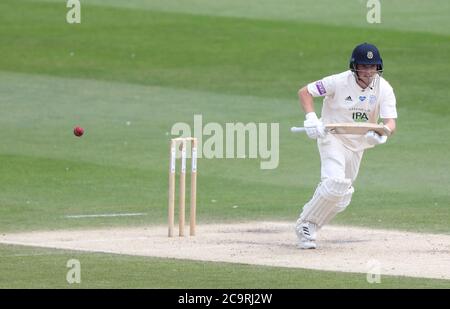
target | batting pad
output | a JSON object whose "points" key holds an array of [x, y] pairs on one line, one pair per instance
{"points": [[345, 200], [324, 204], [340, 206]]}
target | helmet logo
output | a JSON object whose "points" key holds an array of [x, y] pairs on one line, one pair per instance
{"points": [[369, 55]]}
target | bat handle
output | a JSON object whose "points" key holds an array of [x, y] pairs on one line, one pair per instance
{"points": [[387, 131], [298, 129]]}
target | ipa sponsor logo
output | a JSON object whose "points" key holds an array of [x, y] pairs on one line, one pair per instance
{"points": [[360, 117]]}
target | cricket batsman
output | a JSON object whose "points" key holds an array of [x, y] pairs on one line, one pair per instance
{"points": [[357, 95]]}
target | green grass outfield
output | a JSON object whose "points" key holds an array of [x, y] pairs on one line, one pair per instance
{"points": [[132, 69], [49, 268]]}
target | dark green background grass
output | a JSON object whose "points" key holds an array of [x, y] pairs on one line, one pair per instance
{"points": [[156, 66]]}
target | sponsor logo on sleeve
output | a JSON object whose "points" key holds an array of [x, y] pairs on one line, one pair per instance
{"points": [[320, 87]]}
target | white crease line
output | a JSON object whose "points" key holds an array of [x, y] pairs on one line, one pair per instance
{"points": [[106, 215], [33, 254], [74, 241]]}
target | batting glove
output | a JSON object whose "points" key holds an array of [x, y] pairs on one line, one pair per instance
{"points": [[373, 138], [313, 126]]}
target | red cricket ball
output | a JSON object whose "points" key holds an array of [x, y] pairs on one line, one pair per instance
{"points": [[78, 131]]}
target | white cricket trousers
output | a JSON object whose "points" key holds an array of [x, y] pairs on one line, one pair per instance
{"points": [[337, 161]]}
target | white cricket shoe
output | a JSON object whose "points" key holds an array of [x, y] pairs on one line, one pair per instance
{"points": [[306, 233]]}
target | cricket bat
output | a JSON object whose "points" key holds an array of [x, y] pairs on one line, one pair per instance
{"points": [[357, 128]]}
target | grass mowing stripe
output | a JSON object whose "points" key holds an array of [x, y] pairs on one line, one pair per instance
{"points": [[406, 15], [40, 200], [122, 271], [227, 55]]}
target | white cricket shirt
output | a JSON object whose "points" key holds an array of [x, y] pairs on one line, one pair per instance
{"points": [[346, 101]]}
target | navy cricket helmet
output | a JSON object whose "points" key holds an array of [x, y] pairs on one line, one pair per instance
{"points": [[366, 54]]}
